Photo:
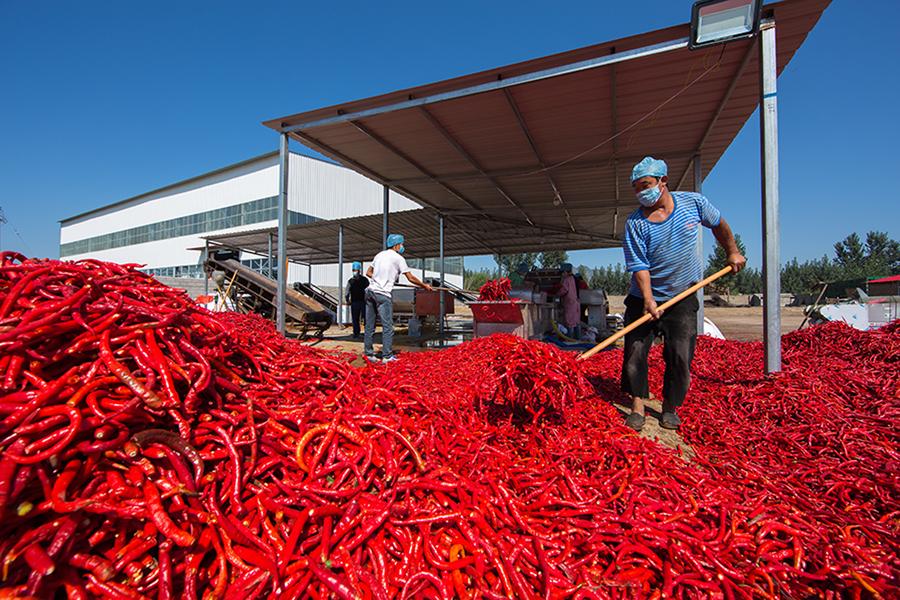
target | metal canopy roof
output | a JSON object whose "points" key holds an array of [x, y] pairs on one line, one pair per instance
{"points": [[317, 243], [546, 146]]}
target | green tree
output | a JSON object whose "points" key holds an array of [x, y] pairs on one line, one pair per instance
{"points": [[879, 255], [882, 254], [807, 277], [551, 259], [615, 280], [850, 255], [746, 282], [508, 263], [749, 281], [472, 280]]}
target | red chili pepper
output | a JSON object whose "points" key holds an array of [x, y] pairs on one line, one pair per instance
{"points": [[124, 374], [531, 484], [494, 290], [161, 519]]}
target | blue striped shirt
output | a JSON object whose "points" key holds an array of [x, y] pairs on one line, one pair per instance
{"points": [[668, 249]]}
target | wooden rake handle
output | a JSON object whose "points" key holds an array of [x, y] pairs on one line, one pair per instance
{"points": [[668, 303]]}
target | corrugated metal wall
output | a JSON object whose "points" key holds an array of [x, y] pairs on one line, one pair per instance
{"points": [[330, 191], [317, 188], [258, 179]]}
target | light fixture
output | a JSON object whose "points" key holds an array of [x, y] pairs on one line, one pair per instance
{"points": [[719, 21]]}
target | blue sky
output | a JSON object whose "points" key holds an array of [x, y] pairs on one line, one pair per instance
{"points": [[100, 101]]}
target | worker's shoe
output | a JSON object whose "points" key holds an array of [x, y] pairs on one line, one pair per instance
{"points": [[388, 359], [635, 421], [669, 420]]}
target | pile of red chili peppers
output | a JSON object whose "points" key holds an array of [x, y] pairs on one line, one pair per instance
{"points": [[495, 289], [149, 448]]}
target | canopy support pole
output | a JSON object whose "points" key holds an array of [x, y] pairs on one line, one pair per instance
{"points": [[340, 304], [698, 187], [614, 113], [281, 294], [768, 128], [441, 291], [387, 208], [206, 270], [270, 257]]}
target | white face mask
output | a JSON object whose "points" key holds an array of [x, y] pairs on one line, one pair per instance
{"points": [[650, 196]]}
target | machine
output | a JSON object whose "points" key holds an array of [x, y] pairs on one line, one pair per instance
{"points": [[533, 309]]}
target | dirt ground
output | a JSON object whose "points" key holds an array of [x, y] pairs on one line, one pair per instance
{"points": [[744, 323], [736, 323]]}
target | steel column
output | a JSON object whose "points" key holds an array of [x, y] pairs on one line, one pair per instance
{"points": [[340, 306], [309, 273], [270, 257], [698, 187], [614, 113], [385, 223], [441, 291], [281, 294], [768, 129], [205, 271]]}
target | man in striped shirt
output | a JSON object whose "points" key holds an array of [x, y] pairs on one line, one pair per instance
{"points": [[661, 254]]}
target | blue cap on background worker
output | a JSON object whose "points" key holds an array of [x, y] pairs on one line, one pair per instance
{"points": [[565, 267], [394, 240], [357, 266]]}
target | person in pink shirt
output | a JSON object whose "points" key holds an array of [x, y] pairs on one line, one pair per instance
{"points": [[568, 297]]}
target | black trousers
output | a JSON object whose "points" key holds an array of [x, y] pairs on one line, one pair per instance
{"points": [[678, 328], [356, 310]]}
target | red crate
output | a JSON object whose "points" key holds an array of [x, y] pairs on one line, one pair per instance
{"points": [[497, 312], [428, 304]]}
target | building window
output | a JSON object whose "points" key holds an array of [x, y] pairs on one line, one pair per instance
{"points": [[248, 213]]}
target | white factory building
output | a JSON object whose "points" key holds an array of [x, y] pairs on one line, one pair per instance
{"points": [[164, 228]]}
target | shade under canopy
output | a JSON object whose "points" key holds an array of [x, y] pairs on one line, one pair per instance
{"points": [[317, 243]]}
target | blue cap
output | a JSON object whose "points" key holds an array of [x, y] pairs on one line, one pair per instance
{"points": [[566, 267], [649, 167], [357, 266], [394, 239]]}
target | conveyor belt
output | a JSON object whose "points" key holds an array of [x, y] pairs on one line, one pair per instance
{"points": [[317, 294], [255, 292]]}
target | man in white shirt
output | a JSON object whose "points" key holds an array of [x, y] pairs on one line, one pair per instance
{"points": [[384, 271]]}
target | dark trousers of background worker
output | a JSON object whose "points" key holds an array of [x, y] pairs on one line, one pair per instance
{"points": [[356, 310], [380, 306], [678, 328]]}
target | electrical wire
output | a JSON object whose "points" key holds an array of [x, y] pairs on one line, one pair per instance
{"points": [[5, 219], [627, 129]]}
